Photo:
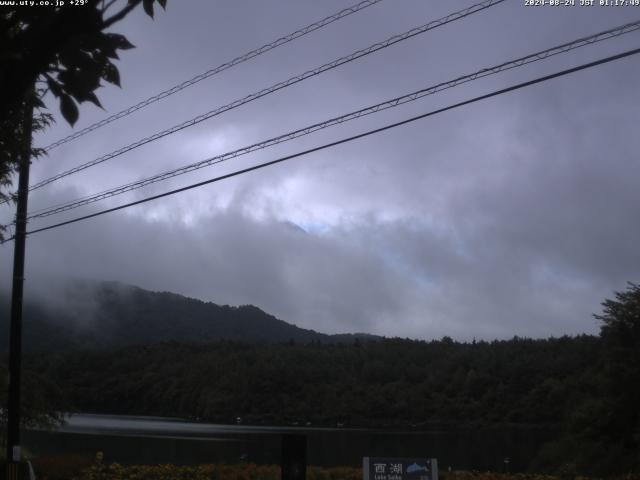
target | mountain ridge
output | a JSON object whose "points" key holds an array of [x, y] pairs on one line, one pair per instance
{"points": [[109, 314]]}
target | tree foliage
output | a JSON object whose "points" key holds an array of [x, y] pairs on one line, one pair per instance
{"points": [[65, 50], [620, 333], [521, 384], [42, 401], [602, 430]]}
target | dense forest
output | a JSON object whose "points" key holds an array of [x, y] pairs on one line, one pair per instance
{"points": [[586, 388], [383, 383], [556, 383]]}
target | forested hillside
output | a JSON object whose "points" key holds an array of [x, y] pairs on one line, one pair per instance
{"points": [[99, 315]]}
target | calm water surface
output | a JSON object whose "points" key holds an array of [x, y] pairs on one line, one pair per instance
{"points": [[151, 440]]}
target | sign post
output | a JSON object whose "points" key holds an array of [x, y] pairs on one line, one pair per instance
{"points": [[294, 457]]}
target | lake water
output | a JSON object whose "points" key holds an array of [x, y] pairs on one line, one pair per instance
{"points": [[150, 440]]}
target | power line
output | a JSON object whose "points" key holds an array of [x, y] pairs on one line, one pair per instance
{"points": [[345, 140], [531, 58], [220, 68], [278, 86]]}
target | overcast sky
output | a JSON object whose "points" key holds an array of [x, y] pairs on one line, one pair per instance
{"points": [[514, 216]]}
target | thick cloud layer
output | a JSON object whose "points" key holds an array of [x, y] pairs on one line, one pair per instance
{"points": [[514, 216]]}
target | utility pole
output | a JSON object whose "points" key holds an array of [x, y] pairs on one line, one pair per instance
{"points": [[15, 336]]}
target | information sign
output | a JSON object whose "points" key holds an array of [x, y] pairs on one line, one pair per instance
{"points": [[383, 468]]}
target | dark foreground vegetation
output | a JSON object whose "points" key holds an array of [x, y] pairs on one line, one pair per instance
{"points": [[83, 470]]}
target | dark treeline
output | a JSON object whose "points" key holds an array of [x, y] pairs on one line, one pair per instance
{"points": [[390, 382], [555, 383]]}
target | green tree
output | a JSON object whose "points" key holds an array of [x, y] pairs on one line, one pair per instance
{"points": [[42, 406], [65, 50], [602, 433], [620, 334]]}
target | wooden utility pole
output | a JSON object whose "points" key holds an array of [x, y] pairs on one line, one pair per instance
{"points": [[15, 336]]}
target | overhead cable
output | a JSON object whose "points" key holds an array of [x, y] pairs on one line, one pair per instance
{"points": [[278, 86], [531, 58], [220, 68], [344, 140]]}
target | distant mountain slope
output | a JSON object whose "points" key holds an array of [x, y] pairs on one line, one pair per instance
{"points": [[84, 314]]}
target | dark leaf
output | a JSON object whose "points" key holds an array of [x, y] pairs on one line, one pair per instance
{"points": [[111, 54], [119, 41], [105, 46], [90, 78], [38, 103], [81, 83], [65, 78], [111, 74], [54, 86], [163, 3], [71, 57], [100, 58], [69, 109], [108, 51], [148, 7], [93, 99]]}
